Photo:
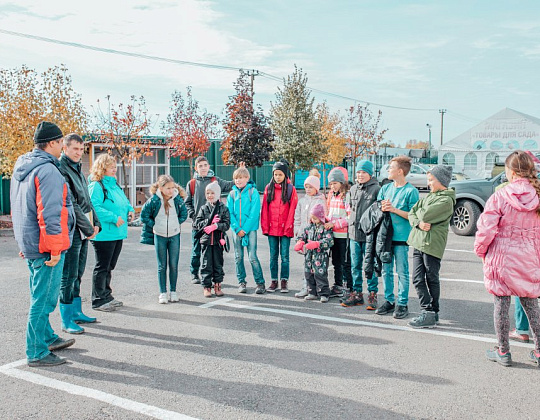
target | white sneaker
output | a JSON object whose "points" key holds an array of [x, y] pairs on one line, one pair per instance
{"points": [[174, 297], [311, 297], [324, 299], [302, 293], [163, 298]]}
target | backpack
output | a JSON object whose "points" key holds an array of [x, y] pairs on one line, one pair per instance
{"points": [[233, 193], [105, 191], [192, 185]]}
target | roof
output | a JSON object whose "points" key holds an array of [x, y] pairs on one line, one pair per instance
{"points": [[99, 138]]}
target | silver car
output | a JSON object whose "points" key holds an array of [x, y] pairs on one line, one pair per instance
{"points": [[417, 176]]}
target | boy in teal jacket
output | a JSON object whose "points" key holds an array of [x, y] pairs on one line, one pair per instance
{"points": [[244, 205]]}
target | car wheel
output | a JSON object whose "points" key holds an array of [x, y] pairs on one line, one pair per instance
{"points": [[466, 214], [385, 181]]}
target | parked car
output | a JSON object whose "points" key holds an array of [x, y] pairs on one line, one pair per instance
{"points": [[459, 176], [417, 176]]}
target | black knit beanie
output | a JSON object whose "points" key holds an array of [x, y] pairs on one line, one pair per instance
{"points": [[281, 166], [47, 131]]}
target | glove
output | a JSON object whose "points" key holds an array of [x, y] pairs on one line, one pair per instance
{"points": [[209, 229], [215, 219], [312, 245], [299, 246], [222, 242]]}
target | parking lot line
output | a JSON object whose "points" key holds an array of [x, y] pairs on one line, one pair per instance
{"points": [[10, 369], [460, 250]]}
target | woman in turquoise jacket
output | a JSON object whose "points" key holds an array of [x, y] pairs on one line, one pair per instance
{"points": [[113, 210]]}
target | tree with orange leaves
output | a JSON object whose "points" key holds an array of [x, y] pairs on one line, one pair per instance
{"points": [[189, 127], [27, 98]]}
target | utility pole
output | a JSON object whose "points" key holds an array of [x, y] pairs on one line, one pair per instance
{"points": [[429, 141], [252, 74], [442, 111]]}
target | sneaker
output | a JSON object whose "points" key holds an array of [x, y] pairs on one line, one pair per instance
{"points": [[302, 293], [174, 297], [260, 290], [523, 338], [402, 311], [437, 318], [273, 286], [353, 299], [336, 291], [163, 298], [284, 288], [207, 292], [311, 297], [385, 308], [371, 301], [60, 344], [107, 307], [324, 299], [217, 290], [242, 288], [50, 360], [195, 279], [503, 359], [535, 358], [116, 303], [425, 320]]}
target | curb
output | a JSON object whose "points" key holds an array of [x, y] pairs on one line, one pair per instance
{"points": [[6, 232]]}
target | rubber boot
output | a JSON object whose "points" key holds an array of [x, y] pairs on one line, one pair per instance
{"points": [[77, 316], [67, 323]]}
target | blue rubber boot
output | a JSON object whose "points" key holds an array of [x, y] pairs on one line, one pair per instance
{"points": [[77, 315], [67, 323]]}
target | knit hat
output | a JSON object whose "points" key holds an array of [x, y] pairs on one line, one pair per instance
{"points": [[281, 166], [214, 186], [336, 175], [318, 211], [366, 166], [443, 173], [47, 131], [313, 181]]}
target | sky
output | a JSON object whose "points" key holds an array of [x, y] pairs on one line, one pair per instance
{"points": [[471, 58]]}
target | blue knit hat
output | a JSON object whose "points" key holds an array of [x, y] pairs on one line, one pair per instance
{"points": [[366, 166]]}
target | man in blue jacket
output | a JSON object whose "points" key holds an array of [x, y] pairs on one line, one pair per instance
{"points": [[43, 223]]}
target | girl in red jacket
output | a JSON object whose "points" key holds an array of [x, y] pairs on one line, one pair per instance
{"points": [[277, 222]]}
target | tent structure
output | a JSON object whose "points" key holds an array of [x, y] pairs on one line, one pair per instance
{"points": [[476, 151]]}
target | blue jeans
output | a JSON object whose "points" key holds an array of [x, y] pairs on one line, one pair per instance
{"points": [[252, 255], [279, 246], [44, 291], [358, 249], [74, 266], [400, 255], [522, 323], [195, 264], [167, 251]]}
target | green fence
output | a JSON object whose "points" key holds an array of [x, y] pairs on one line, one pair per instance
{"points": [[4, 196]]}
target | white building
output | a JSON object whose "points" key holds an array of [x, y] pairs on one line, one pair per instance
{"points": [[475, 151]]}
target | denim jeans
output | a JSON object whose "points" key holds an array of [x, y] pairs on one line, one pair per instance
{"points": [[522, 323], [195, 264], [44, 290], [358, 249], [168, 252], [252, 255], [279, 246], [400, 259], [74, 266]]}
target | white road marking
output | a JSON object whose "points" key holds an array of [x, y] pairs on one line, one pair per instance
{"points": [[455, 280], [215, 302], [460, 250], [11, 370]]}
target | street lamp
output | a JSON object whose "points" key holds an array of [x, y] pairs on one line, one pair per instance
{"points": [[429, 141]]}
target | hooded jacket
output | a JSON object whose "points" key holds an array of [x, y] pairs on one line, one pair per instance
{"points": [[204, 217], [316, 260], [361, 197], [245, 208], [41, 208], [508, 238], [277, 217], [377, 225], [437, 209], [302, 214], [198, 199]]}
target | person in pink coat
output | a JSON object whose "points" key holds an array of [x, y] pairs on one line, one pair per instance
{"points": [[508, 241]]}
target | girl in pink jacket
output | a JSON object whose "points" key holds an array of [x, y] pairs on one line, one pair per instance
{"points": [[508, 241]]}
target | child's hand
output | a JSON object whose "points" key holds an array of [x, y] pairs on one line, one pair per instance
{"points": [[424, 226], [299, 246], [312, 245], [329, 225], [215, 219], [222, 242], [209, 229], [241, 234]]}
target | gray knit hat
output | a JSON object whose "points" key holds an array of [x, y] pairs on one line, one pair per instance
{"points": [[336, 175], [443, 173], [214, 186]]}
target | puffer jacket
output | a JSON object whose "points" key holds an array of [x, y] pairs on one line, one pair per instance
{"points": [[245, 208], [377, 225], [277, 217], [360, 197], [302, 214], [508, 239], [150, 211], [316, 260], [338, 212], [204, 218], [198, 199], [41, 208]]}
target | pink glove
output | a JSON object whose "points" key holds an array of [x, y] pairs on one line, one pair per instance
{"points": [[312, 245], [299, 246], [209, 229], [215, 219], [222, 242]]}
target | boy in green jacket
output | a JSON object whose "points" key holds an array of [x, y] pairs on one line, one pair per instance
{"points": [[429, 219]]}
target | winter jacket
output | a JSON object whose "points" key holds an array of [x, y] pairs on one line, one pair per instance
{"points": [[360, 198], [437, 209], [41, 209], [508, 238], [109, 208], [316, 260], [204, 218], [277, 217], [377, 225], [82, 205], [198, 199], [245, 208], [338, 212], [150, 212], [302, 214]]}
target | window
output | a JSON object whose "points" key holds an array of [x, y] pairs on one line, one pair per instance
{"points": [[471, 162], [449, 159], [491, 158]]}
